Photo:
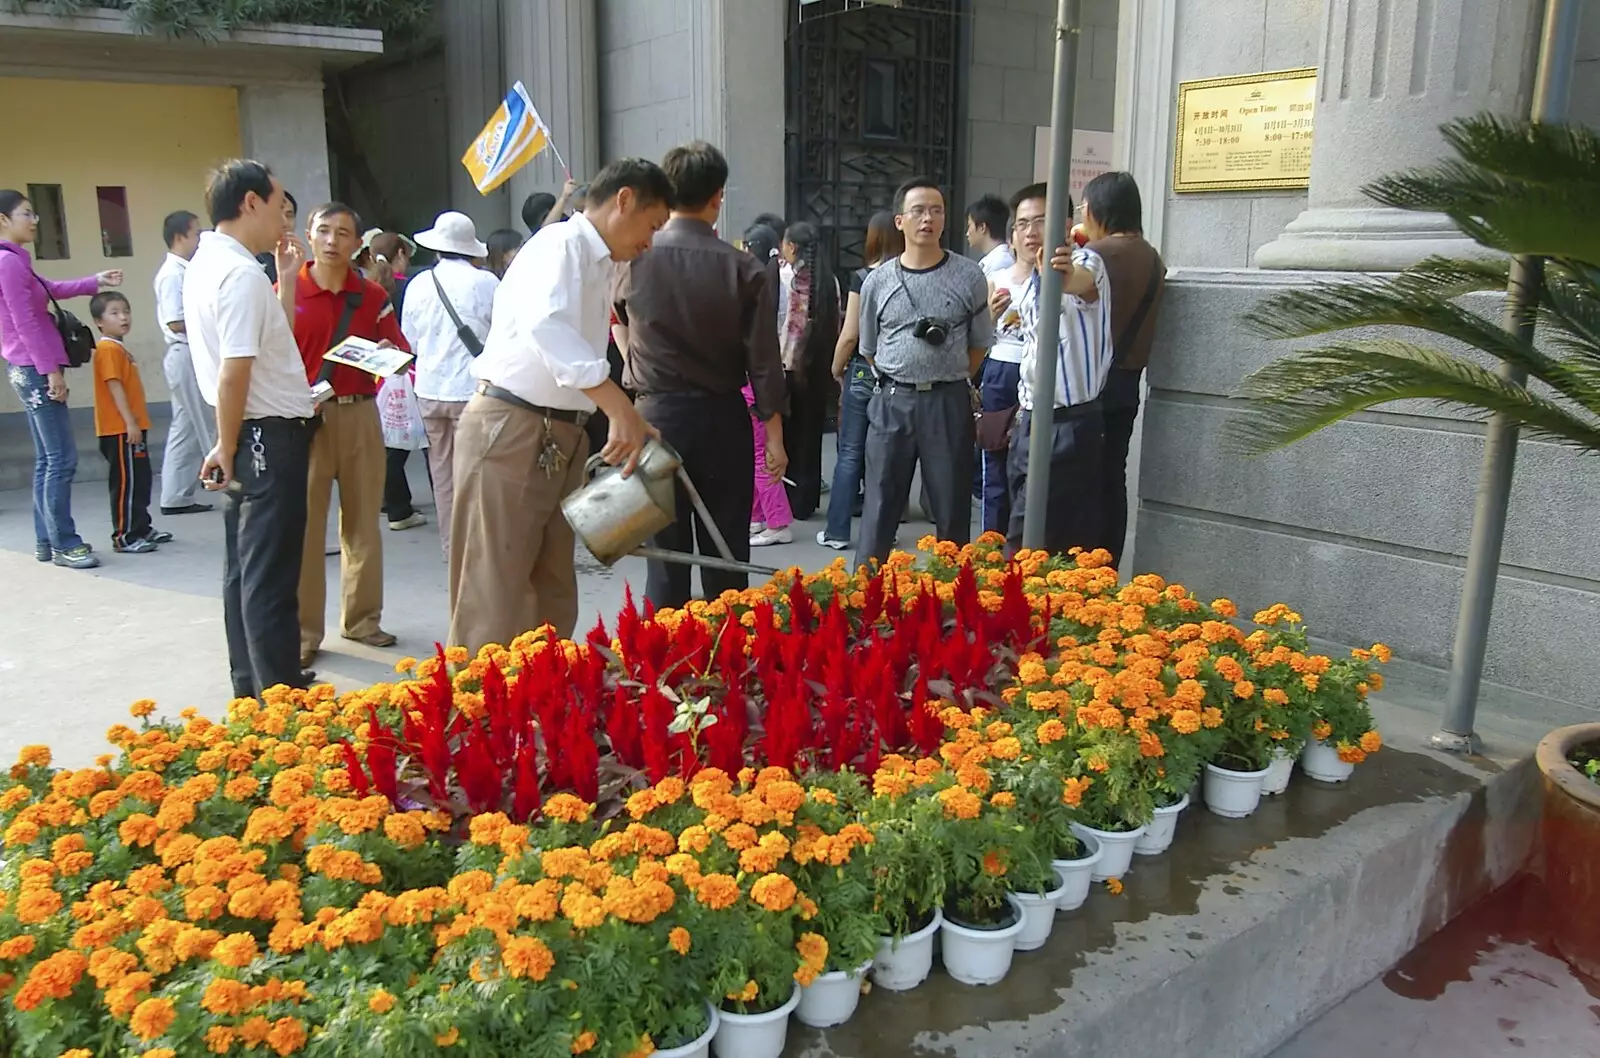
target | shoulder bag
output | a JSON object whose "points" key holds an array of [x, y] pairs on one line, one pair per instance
{"points": [[468, 336], [76, 337]]}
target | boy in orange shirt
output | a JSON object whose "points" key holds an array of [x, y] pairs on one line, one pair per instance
{"points": [[121, 421]]}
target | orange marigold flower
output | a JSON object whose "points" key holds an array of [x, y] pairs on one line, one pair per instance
{"points": [[527, 957], [1114, 886], [1321, 730], [447, 1039], [1371, 742], [219, 1039], [717, 891], [584, 1042], [679, 940], [774, 892], [16, 948], [380, 1002], [38, 756], [237, 950], [152, 1018], [566, 808], [1382, 653], [138, 830], [287, 1036], [747, 994], [1073, 789], [142, 708], [226, 997], [1244, 689]]}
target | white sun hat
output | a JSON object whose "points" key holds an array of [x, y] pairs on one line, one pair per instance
{"points": [[453, 232]]}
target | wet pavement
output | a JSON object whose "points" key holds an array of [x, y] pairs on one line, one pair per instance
{"points": [[1167, 908], [1488, 985]]}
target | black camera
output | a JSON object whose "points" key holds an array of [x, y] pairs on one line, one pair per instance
{"points": [[932, 331]]}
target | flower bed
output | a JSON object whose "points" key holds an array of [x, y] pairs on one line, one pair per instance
{"points": [[565, 848]]}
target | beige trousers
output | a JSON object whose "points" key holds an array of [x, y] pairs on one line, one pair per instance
{"points": [[439, 418], [511, 549], [347, 448]]}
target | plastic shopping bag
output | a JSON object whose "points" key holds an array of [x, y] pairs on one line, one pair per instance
{"points": [[398, 411]]}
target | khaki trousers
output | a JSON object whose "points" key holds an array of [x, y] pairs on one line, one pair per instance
{"points": [[439, 418], [511, 549], [348, 448]]}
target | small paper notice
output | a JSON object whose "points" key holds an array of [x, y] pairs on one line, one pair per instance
{"points": [[381, 362]]}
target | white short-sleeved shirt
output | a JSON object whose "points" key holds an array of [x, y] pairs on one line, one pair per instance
{"points": [[1083, 348], [169, 298], [444, 366], [997, 260], [231, 312], [552, 314]]}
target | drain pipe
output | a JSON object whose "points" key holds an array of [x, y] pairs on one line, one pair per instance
{"points": [[1552, 88], [1041, 421]]}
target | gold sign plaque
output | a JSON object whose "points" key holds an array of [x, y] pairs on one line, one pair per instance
{"points": [[1246, 133]]}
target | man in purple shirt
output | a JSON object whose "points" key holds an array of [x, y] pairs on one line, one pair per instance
{"points": [[36, 358]]}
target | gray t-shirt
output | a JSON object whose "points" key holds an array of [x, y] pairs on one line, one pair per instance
{"points": [[953, 292]]}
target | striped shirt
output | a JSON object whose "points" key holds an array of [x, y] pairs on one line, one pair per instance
{"points": [[1084, 348]]}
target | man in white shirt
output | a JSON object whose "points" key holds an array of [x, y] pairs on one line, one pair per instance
{"points": [[988, 233], [447, 314], [1084, 354], [520, 444], [192, 430], [250, 370]]}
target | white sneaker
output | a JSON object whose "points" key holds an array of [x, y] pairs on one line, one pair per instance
{"points": [[757, 528], [411, 522], [827, 541], [768, 537]]}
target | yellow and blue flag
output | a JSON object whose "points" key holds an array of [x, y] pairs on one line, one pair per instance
{"points": [[513, 138]]}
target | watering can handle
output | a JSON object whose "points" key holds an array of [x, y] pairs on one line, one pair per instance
{"points": [[593, 465]]}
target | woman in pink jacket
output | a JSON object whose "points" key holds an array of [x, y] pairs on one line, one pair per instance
{"points": [[35, 360]]}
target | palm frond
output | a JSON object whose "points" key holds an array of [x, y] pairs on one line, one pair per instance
{"points": [[1304, 392], [1420, 298], [1517, 186]]}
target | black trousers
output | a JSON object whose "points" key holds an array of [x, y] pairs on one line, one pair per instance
{"points": [[263, 527], [1077, 451], [129, 483], [713, 435], [397, 504], [809, 398], [906, 426], [1120, 400]]}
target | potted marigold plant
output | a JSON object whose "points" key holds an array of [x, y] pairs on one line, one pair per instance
{"points": [[982, 920], [1101, 775], [1342, 730], [909, 869], [1050, 859], [833, 869]]}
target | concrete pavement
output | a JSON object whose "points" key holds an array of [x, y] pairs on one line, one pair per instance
{"points": [[77, 647]]}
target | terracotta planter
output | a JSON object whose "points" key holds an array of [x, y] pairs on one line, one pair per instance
{"points": [[1572, 847]]}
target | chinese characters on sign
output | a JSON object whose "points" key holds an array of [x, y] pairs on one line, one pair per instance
{"points": [[1091, 156], [1246, 133]]}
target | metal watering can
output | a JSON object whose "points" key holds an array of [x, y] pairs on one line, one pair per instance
{"points": [[614, 515]]}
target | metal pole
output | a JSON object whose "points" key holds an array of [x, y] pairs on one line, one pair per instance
{"points": [[1057, 214], [1551, 89]]}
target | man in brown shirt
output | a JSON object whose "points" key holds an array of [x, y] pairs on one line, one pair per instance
{"points": [[1113, 220], [700, 318]]}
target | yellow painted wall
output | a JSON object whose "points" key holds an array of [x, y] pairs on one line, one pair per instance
{"points": [[158, 141]]}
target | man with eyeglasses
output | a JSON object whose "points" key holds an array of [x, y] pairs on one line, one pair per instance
{"points": [[925, 327]]}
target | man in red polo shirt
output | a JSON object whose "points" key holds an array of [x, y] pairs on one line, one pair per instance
{"points": [[332, 301]]}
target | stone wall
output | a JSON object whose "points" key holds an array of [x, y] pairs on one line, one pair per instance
{"points": [[1009, 85]]}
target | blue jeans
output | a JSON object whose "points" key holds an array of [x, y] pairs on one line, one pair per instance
{"points": [[997, 389], [852, 436], [55, 459]]}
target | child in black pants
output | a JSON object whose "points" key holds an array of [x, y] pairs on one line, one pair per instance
{"points": [[122, 421]]}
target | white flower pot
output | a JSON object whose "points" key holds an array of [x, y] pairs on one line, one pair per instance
{"points": [[1233, 794], [1321, 761], [1038, 916], [1157, 837], [1116, 850], [904, 963], [698, 1048], [755, 1035], [1076, 875], [1278, 772], [831, 999], [980, 956]]}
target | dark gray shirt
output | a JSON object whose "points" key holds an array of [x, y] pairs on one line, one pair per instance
{"points": [[954, 292]]}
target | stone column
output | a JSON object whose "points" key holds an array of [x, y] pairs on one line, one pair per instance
{"points": [[552, 47], [1392, 72], [285, 126], [739, 105], [475, 85]]}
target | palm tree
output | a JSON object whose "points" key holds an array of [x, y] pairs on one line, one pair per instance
{"points": [[1516, 187]]}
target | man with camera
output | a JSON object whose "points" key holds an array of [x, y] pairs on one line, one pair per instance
{"points": [[926, 328]]}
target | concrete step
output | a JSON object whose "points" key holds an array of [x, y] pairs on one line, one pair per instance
{"points": [[1246, 930]]}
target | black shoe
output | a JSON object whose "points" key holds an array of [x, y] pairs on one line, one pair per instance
{"points": [[188, 508]]}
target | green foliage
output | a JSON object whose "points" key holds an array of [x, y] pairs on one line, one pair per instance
{"points": [[1515, 187], [212, 19]]}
